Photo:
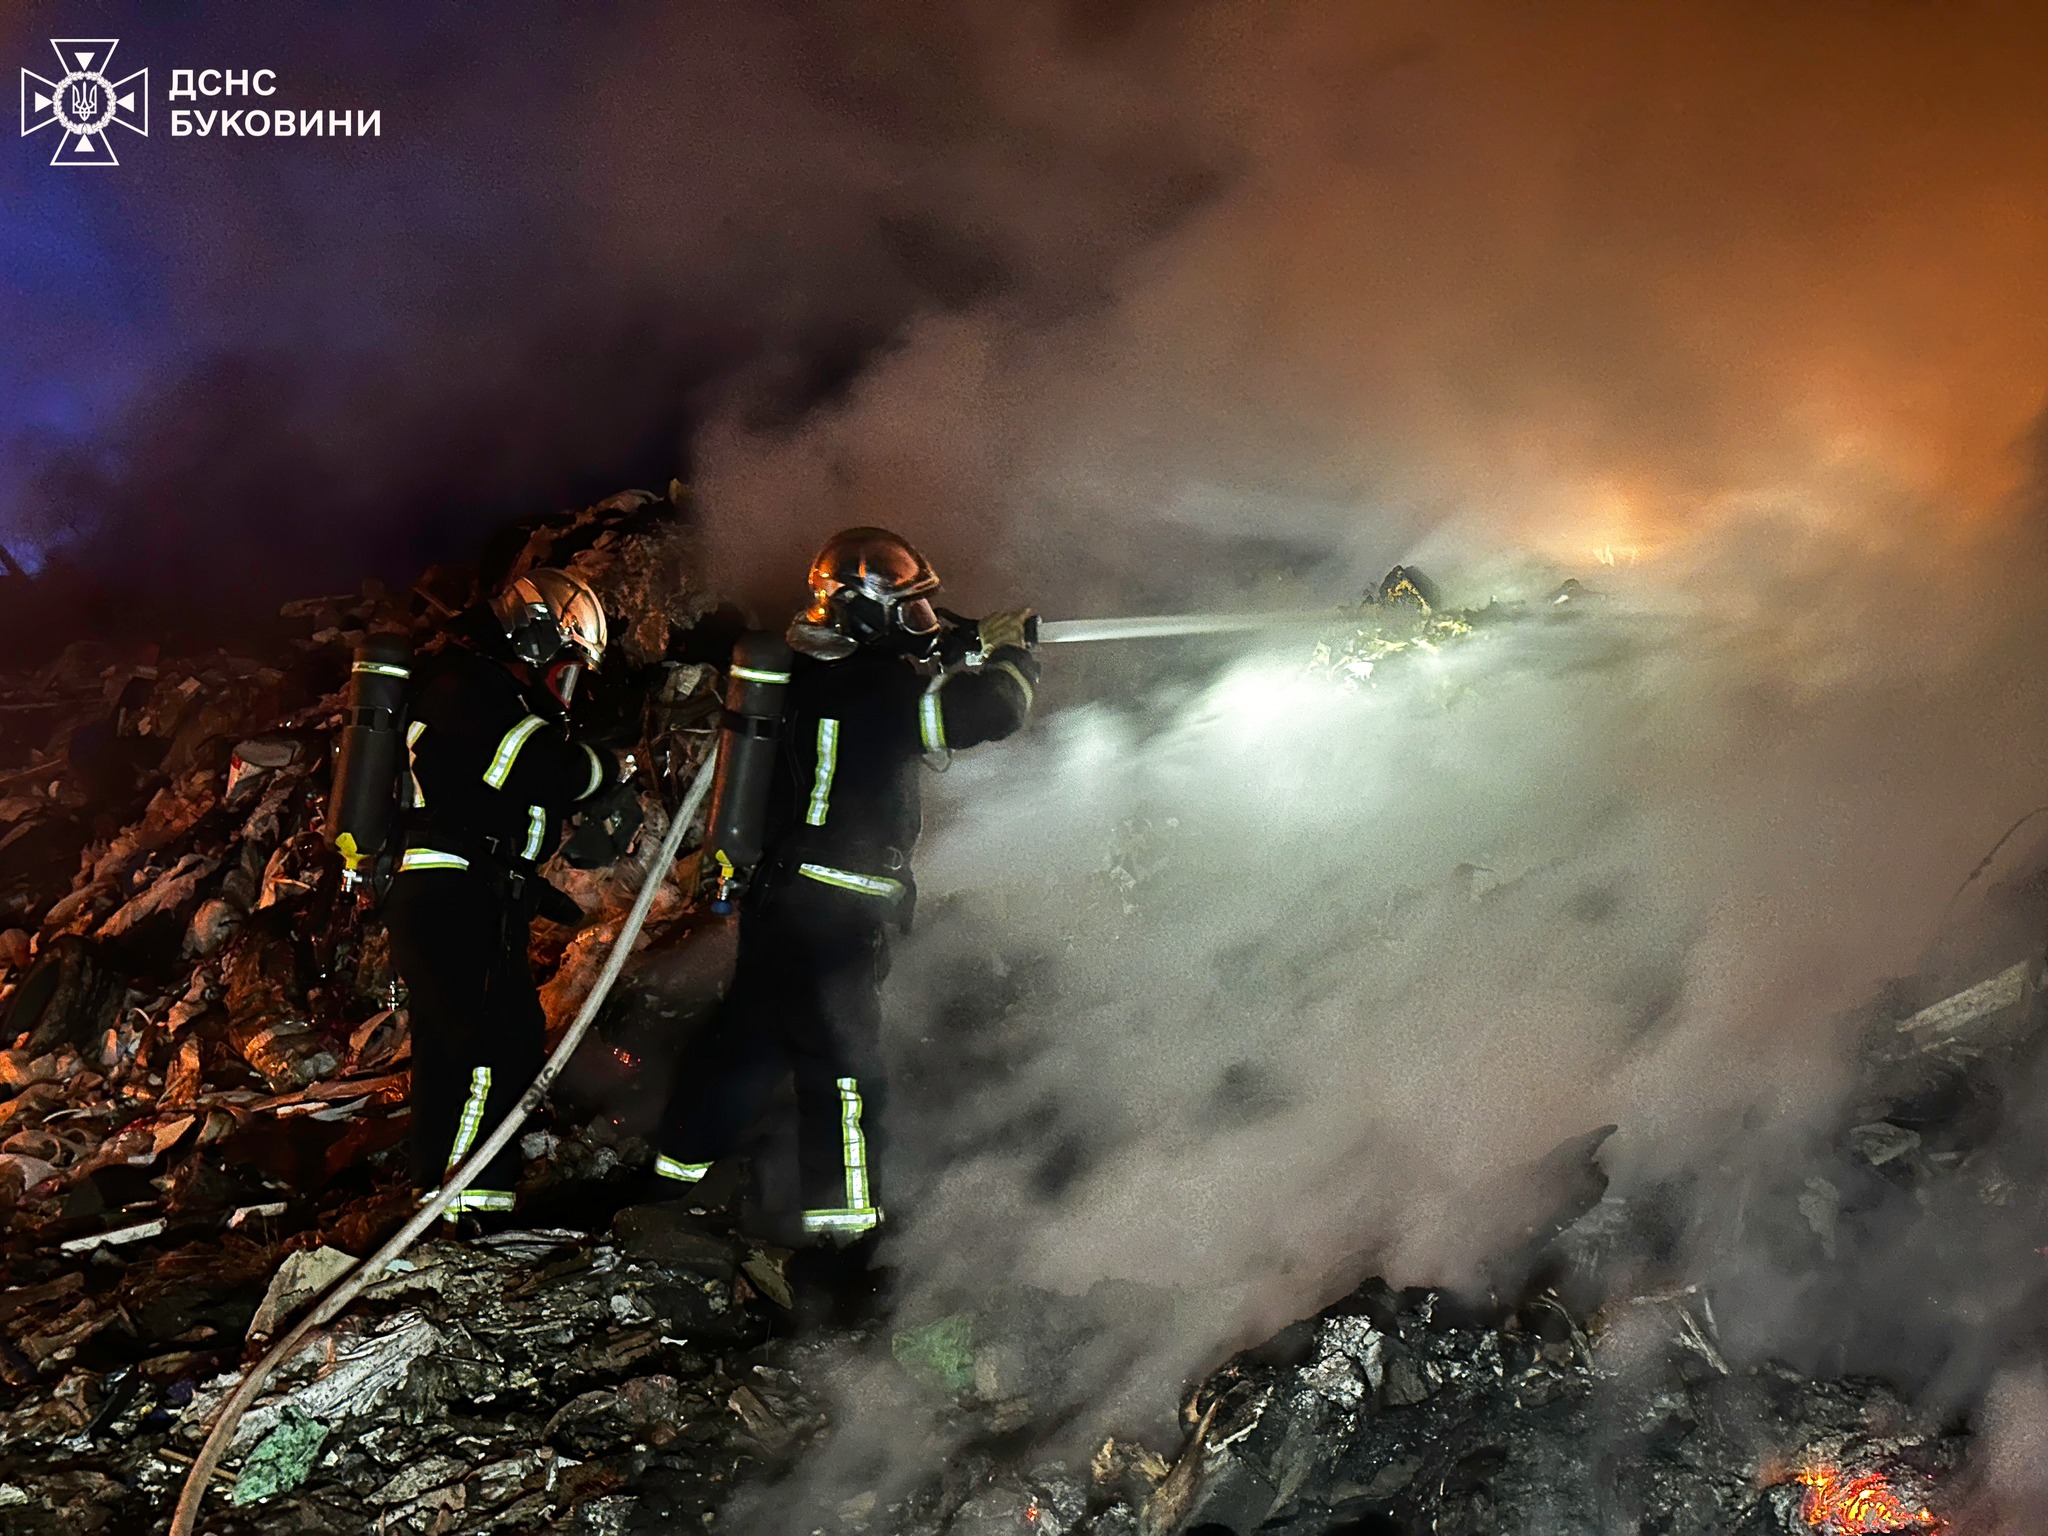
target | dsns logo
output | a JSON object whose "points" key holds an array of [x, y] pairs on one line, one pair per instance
{"points": [[83, 102]]}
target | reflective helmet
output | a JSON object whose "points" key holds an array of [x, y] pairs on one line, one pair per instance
{"points": [[866, 589], [555, 624]]}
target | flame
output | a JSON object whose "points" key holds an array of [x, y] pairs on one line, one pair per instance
{"points": [[1863, 1505]]}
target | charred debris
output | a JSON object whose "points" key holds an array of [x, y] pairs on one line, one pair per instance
{"points": [[202, 1092]]}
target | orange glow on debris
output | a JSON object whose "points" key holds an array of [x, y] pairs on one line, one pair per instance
{"points": [[1863, 1505]]}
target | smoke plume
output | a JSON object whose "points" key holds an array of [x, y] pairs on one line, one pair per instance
{"points": [[1725, 309]]}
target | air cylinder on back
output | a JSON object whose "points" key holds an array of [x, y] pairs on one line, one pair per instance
{"points": [[362, 806], [756, 687]]}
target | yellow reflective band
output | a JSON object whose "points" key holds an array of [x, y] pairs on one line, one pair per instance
{"points": [[536, 829], [413, 733], [847, 880], [1030, 693], [755, 675], [380, 669], [682, 1173], [842, 1221], [472, 1115], [508, 751], [428, 858], [854, 1145], [931, 717], [596, 771], [482, 1200], [828, 764]]}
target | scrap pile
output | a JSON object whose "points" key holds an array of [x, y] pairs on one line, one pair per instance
{"points": [[202, 1047]]}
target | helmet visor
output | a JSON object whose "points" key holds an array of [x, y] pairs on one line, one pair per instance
{"points": [[917, 616], [583, 629]]}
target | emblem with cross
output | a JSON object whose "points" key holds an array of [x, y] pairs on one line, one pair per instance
{"points": [[84, 102]]}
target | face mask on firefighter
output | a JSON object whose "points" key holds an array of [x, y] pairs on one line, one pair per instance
{"points": [[560, 681], [885, 623]]}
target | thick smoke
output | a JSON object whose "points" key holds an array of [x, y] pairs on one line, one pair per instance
{"points": [[1728, 309], [239, 370]]}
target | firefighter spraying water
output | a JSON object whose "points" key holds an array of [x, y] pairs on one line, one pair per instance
{"points": [[812, 832]]}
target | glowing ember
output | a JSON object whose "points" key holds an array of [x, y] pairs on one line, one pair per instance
{"points": [[1864, 1505]]}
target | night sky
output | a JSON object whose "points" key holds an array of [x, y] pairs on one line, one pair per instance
{"points": [[258, 365], [1117, 303]]}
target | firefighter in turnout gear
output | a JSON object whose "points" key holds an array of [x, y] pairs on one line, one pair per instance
{"points": [[879, 686], [492, 772]]}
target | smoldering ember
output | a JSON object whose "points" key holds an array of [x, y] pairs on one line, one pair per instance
{"points": [[205, 1104]]}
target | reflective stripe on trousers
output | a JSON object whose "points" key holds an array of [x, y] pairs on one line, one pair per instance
{"points": [[472, 1115], [858, 1214], [481, 1200], [682, 1173]]}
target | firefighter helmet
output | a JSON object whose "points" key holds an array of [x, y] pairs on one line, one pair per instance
{"points": [[867, 588], [555, 624]]}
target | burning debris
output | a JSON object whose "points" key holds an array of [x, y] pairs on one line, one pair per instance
{"points": [[1840, 1504]]}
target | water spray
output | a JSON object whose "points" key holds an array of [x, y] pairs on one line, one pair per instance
{"points": [[1172, 625]]}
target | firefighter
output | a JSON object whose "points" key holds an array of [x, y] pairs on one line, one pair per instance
{"points": [[878, 687], [493, 770]]}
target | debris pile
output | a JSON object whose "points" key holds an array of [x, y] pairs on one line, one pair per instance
{"points": [[203, 1049], [503, 1383], [201, 1093]]}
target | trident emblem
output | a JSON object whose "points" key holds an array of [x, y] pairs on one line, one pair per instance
{"points": [[84, 103]]}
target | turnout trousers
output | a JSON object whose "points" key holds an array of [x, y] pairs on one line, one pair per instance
{"points": [[806, 1000], [478, 1031]]}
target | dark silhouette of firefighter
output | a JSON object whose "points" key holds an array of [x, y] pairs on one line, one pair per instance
{"points": [[815, 818], [490, 771]]}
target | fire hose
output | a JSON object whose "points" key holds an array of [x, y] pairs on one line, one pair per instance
{"points": [[351, 1282]]}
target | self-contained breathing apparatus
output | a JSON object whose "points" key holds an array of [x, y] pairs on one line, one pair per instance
{"points": [[751, 735], [369, 758], [550, 624]]}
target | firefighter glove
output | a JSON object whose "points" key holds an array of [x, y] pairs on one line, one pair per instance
{"points": [[605, 828], [1010, 629]]}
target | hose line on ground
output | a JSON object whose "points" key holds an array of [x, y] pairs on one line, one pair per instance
{"points": [[350, 1283]]}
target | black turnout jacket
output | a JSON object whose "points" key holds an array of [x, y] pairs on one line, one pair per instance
{"points": [[494, 768], [856, 733]]}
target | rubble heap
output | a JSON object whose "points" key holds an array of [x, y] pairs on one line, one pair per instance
{"points": [[205, 1049]]}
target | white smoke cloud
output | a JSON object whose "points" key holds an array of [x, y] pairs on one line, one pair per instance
{"points": [[1510, 293]]}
